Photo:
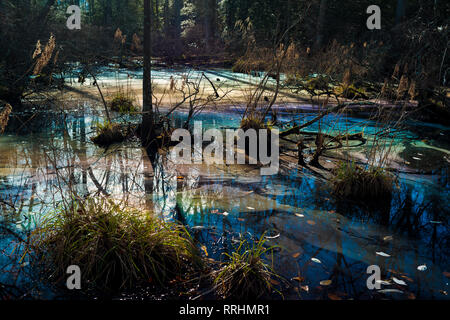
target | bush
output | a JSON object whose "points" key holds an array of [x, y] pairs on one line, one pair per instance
{"points": [[115, 247], [108, 133], [245, 275], [353, 181], [123, 104]]}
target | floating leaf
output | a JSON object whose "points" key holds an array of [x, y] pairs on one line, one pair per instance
{"points": [[311, 222], [299, 215], [240, 219], [383, 254], [205, 250], [250, 208], [296, 255], [398, 281], [334, 296], [388, 238], [422, 268], [305, 288], [299, 279], [325, 282], [390, 291], [316, 260], [180, 178]]}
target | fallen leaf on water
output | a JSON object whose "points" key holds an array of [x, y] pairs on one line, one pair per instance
{"points": [[316, 260], [390, 291], [240, 219], [205, 250], [422, 268], [299, 215], [334, 296], [398, 281], [299, 279], [311, 222], [447, 274], [180, 178], [305, 288], [296, 255], [388, 238], [407, 278], [382, 254], [250, 208], [325, 282]]}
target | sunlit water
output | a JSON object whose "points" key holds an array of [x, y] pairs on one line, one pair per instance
{"points": [[320, 238]]}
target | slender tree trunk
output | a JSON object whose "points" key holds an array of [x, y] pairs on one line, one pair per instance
{"points": [[321, 23], [177, 6], [400, 12], [147, 129]]}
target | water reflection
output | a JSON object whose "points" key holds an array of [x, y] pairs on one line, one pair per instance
{"points": [[52, 152]]}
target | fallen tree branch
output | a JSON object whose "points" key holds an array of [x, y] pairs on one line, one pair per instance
{"points": [[334, 109]]}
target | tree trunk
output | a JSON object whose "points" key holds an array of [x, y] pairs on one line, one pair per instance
{"points": [[321, 23], [400, 12], [147, 127]]}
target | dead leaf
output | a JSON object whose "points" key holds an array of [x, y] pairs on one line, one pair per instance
{"points": [[390, 291], [334, 296], [296, 255], [240, 219], [325, 282], [388, 238], [382, 254], [398, 281], [299, 279], [411, 296], [305, 288], [299, 215], [310, 222], [205, 250], [422, 268], [316, 260]]}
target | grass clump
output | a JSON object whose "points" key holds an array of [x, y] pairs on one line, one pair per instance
{"points": [[245, 275], [115, 247], [252, 122], [122, 103], [356, 182], [108, 133]]}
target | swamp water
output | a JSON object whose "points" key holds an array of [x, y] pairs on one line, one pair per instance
{"points": [[42, 154]]}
